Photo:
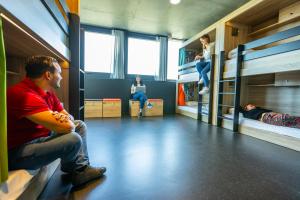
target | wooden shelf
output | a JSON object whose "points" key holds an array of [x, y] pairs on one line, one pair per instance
{"points": [[263, 85], [273, 26], [13, 73]]}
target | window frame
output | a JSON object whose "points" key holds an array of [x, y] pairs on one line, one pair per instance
{"points": [[94, 29], [142, 36], [128, 34], [182, 40]]}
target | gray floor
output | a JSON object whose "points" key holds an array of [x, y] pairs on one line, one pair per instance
{"points": [[180, 158]]}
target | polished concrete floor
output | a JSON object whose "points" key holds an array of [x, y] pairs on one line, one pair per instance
{"points": [[180, 158]]}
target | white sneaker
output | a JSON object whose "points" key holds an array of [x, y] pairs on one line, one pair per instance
{"points": [[200, 81], [149, 105], [205, 90]]}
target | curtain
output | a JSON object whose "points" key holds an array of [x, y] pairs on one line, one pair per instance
{"points": [[3, 123], [161, 72], [118, 58], [181, 56]]}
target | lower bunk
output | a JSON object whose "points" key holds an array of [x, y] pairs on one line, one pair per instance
{"points": [[283, 136], [192, 111], [27, 184]]}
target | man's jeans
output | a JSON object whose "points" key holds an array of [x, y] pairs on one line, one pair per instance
{"points": [[71, 148]]}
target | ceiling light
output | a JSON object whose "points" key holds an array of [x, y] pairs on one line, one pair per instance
{"points": [[174, 2]]}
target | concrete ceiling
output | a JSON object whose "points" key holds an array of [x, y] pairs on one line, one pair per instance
{"points": [[181, 21]]}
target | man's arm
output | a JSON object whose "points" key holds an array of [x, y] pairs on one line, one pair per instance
{"points": [[49, 120]]}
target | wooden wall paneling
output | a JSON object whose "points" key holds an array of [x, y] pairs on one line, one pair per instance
{"points": [[287, 79], [289, 12], [278, 99], [15, 64], [231, 41]]}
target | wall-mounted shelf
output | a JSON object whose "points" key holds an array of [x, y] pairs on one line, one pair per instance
{"points": [[263, 85], [273, 26], [13, 73]]}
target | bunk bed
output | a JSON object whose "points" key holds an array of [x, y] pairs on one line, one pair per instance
{"points": [[279, 58], [203, 108], [250, 59], [36, 28]]}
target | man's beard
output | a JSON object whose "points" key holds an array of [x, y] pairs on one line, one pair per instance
{"points": [[55, 85]]}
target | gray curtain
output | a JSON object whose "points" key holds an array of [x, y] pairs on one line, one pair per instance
{"points": [[118, 58], [161, 72]]}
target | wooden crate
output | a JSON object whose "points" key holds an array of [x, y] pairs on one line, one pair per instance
{"points": [[157, 109], [92, 108], [111, 107], [134, 107]]}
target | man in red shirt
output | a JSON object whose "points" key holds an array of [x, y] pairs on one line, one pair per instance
{"points": [[40, 130]]}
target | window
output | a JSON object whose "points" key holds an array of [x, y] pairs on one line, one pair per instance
{"points": [[98, 52], [143, 56], [173, 56]]}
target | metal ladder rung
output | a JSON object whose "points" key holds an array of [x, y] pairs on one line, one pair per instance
{"points": [[222, 81], [220, 105], [223, 117], [227, 93]]}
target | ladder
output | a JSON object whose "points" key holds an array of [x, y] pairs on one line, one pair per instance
{"points": [[236, 93]]}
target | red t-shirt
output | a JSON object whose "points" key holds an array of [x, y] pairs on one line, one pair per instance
{"points": [[23, 99]]}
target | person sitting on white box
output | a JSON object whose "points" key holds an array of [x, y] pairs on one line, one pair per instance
{"points": [[138, 92]]}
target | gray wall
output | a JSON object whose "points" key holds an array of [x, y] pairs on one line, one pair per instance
{"points": [[98, 88]]}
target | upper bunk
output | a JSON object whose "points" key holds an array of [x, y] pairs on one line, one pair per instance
{"points": [[270, 45], [186, 70], [35, 28]]}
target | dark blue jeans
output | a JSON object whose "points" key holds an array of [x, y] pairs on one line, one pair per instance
{"points": [[203, 67], [71, 148], [140, 96]]}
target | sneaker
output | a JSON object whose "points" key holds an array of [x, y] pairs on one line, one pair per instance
{"points": [[205, 90], [140, 114], [87, 175], [149, 105], [200, 81]]}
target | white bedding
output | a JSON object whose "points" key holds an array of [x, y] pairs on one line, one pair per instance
{"points": [[18, 181], [292, 132]]}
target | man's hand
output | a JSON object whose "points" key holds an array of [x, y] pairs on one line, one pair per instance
{"points": [[61, 117], [198, 57]]}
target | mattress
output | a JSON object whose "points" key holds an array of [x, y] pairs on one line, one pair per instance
{"points": [[18, 181], [27, 184], [292, 132]]}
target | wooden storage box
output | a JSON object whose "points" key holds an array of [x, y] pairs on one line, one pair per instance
{"points": [[111, 107], [157, 109], [134, 107], [92, 108]]}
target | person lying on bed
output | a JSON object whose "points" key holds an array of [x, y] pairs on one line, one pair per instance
{"points": [[40, 130], [268, 116]]}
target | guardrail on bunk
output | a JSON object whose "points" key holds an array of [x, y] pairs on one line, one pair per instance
{"points": [[281, 48]]}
